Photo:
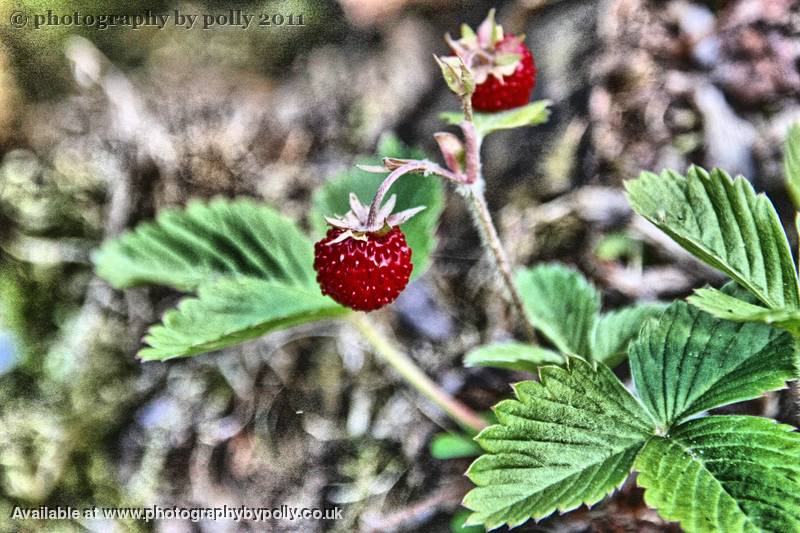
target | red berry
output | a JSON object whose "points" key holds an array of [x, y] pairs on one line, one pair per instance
{"points": [[515, 90], [363, 274]]}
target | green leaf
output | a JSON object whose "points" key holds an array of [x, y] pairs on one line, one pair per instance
{"points": [[411, 190], [561, 304], [797, 226], [564, 306], [729, 307], [615, 330], [569, 440], [615, 246], [724, 223], [458, 521], [485, 123], [452, 446], [184, 248], [233, 310], [513, 355], [689, 361], [791, 163], [725, 473]]}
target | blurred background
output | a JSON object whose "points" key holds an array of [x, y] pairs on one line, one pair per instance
{"points": [[99, 129]]}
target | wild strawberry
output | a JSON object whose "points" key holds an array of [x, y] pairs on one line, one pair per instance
{"points": [[502, 66], [513, 90], [366, 272], [364, 264]]}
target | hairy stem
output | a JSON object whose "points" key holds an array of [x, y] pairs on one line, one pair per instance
{"points": [[408, 369], [472, 151], [466, 104], [483, 219], [480, 211], [393, 176], [406, 168]]}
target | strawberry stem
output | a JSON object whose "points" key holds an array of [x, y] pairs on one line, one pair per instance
{"points": [[466, 104], [393, 176], [408, 369], [483, 218], [423, 166], [472, 149]]}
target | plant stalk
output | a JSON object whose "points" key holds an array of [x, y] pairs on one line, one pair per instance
{"points": [[408, 369], [406, 168], [483, 218], [480, 211], [466, 105], [472, 151]]}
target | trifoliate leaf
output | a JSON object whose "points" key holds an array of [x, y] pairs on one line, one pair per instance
{"points": [[615, 330], [233, 310], [724, 223], [485, 123], [568, 440], [185, 248], [791, 163], [453, 446], [564, 306], [513, 355], [689, 361], [561, 304], [725, 473], [411, 190]]}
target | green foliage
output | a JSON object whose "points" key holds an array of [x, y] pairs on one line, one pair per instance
{"points": [[513, 355], [565, 307], [723, 305], [724, 223], [185, 248], [689, 361], [575, 436], [251, 267], [532, 114], [725, 473], [614, 331], [411, 190], [458, 521], [453, 446], [791, 163], [561, 304], [615, 246], [568, 440], [30, 300], [233, 310]]}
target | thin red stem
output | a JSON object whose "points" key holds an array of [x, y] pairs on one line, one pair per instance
{"points": [[472, 148], [412, 166]]}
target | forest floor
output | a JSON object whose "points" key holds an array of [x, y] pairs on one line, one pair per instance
{"points": [[112, 132]]}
